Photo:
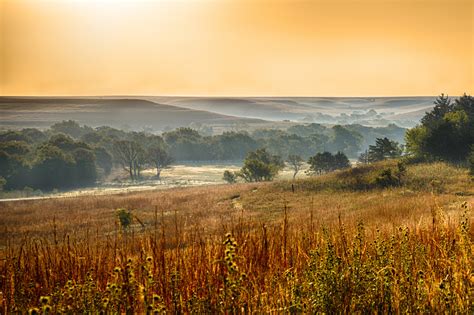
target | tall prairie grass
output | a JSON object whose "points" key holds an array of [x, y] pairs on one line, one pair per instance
{"points": [[245, 248]]}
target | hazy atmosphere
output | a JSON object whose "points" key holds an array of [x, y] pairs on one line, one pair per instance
{"points": [[236, 47], [236, 157]]}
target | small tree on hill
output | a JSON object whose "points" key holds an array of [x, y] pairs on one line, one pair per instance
{"points": [[160, 158], [130, 155], [326, 162], [341, 161], [364, 157], [320, 163], [296, 163], [446, 132], [442, 107], [230, 177], [384, 148], [260, 165]]}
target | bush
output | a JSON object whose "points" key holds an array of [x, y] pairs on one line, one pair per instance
{"points": [[386, 179], [391, 178], [230, 177], [260, 165], [125, 218]]}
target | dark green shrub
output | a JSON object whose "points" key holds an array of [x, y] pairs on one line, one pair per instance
{"points": [[125, 218], [386, 179], [230, 177]]}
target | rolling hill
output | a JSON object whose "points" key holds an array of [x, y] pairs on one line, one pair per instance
{"points": [[164, 112], [116, 112], [404, 111]]}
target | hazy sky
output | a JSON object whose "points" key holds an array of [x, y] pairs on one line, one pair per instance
{"points": [[236, 47]]}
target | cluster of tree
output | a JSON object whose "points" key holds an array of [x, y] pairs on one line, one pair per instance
{"points": [[326, 162], [59, 162], [260, 165], [445, 133], [186, 144], [383, 149], [69, 155], [135, 157]]}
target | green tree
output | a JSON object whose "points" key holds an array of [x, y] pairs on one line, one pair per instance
{"points": [[446, 132], [442, 107], [320, 163], [363, 157], [85, 168], [326, 162], [14, 169], [53, 168], [296, 162], [103, 159], [307, 130], [260, 165], [341, 161], [416, 142], [13, 136], [36, 136], [19, 148], [93, 138], [346, 141], [159, 157], [384, 148], [66, 143], [234, 145], [187, 144], [130, 155], [229, 177], [70, 128]]}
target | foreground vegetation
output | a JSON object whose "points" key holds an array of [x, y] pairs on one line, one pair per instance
{"points": [[335, 243]]}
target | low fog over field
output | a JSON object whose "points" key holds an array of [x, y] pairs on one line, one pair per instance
{"points": [[164, 113], [404, 111]]}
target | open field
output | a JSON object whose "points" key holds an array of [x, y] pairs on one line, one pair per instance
{"points": [[175, 176], [328, 244]]}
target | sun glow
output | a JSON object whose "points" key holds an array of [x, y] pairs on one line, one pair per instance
{"points": [[236, 47]]}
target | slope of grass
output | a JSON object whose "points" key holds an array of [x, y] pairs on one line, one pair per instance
{"points": [[327, 247]]}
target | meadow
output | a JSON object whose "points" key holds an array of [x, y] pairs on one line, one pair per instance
{"points": [[329, 244]]}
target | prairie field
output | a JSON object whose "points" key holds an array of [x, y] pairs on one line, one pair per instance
{"points": [[325, 244]]}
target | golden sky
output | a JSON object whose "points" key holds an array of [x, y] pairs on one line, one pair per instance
{"points": [[236, 47]]}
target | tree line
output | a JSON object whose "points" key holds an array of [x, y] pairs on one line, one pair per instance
{"points": [[260, 165], [446, 133], [70, 155]]}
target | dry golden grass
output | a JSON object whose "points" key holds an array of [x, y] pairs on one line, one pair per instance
{"points": [[326, 247]]}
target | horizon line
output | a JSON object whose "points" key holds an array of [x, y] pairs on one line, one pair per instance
{"points": [[222, 96]]}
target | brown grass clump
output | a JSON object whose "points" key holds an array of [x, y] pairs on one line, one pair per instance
{"points": [[246, 248]]}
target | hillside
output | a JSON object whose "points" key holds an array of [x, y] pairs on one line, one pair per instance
{"points": [[43, 112], [250, 113], [333, 242], [380, 111]]}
